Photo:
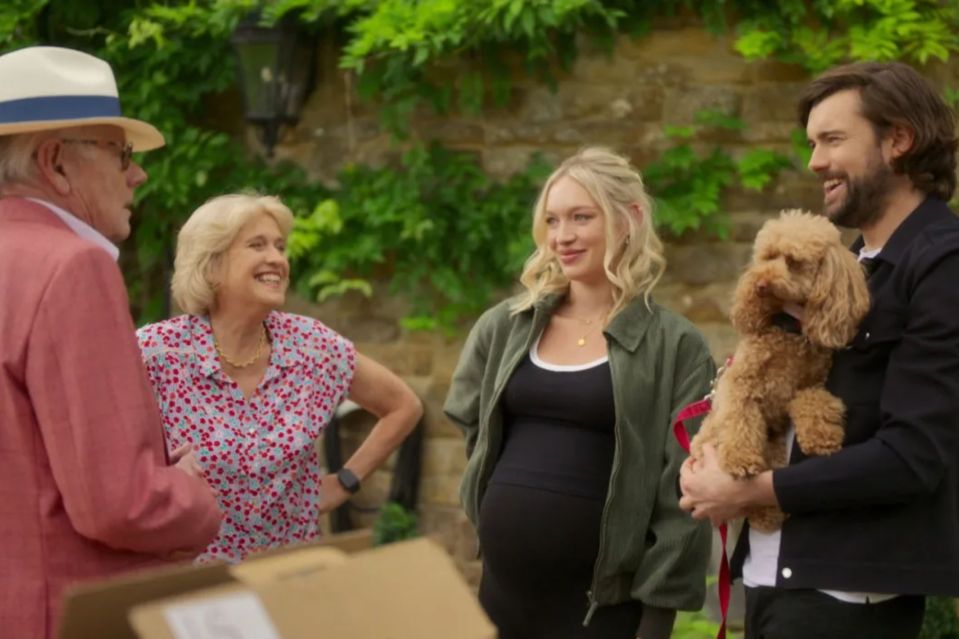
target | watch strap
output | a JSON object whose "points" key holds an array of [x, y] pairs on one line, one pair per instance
{"points": [[348, 480]]}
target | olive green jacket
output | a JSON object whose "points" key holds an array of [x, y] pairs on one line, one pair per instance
{"points": [[649, 549]]}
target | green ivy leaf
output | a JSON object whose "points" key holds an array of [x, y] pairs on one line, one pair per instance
{"points": [[341, 287], [757, 167], [679, 132], [758, 43], [718, 120]]}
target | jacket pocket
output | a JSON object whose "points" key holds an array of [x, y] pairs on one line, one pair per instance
{"points": [[882, 328], [859, 371]]}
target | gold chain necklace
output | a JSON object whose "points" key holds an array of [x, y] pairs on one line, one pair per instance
{"points": [[589, 322], [249, 362], [582, 338]]}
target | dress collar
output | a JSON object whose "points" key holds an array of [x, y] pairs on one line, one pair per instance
{"points": [[284, 353]]}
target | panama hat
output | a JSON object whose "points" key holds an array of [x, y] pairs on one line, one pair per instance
{"points": [[43, 88]]}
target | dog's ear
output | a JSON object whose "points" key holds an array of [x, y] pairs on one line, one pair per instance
{"points": [[747, 315], [839, 299]]}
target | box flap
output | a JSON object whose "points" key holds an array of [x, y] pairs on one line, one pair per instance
{"points": [[408, 590], [99, 609], [287, 565]]}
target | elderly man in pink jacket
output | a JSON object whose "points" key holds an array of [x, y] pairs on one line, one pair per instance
{"points": [[87, 489]]}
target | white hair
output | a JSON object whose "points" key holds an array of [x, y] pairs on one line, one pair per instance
{"points": [[16, 156]]}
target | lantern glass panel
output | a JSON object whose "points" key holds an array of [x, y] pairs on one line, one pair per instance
{"points": [[258, 64], [295, 80]]}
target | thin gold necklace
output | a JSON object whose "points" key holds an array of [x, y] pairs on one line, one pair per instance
{"points": [[582, 338], [256, 355], [581, 342]]}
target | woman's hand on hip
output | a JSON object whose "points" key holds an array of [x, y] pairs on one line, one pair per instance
{"points": [[332, 493]]}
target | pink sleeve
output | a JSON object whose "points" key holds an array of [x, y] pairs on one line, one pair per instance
{"points": [[99, 421]]}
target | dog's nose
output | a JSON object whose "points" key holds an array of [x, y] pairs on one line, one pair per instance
{"points": [[761, 287]]}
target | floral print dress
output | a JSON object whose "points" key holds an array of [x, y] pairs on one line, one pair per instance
{"points": [[257, 453]]}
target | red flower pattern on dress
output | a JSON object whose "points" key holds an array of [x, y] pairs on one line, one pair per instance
{"points": [[257, 453]]}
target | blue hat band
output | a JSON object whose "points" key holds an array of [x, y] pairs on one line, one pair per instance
{"points": [[59, 107]]}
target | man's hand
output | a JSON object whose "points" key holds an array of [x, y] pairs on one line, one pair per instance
{"points": [[332, 493], [184, 458], [711, 493], [179, 556]]}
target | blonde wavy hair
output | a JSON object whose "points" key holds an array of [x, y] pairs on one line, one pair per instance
{"points": [[207, 235], [634, 259]]}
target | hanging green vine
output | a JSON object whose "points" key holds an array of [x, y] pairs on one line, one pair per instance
{"points": [[820, 33], [172, 59], [403, 51], [452, 236], [689, 185]]}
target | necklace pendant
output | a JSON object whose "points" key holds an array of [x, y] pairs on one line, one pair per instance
{"points": [[581, 341]]}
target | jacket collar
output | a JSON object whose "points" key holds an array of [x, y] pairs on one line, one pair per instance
{"points": [[34, 210], [931, 210], [80, 227], [627, 328]]}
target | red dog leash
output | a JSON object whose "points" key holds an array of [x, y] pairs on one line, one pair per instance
{"points": [[698, 409]]}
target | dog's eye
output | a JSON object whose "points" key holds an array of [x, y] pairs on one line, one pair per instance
{"points": [[792, 263]]}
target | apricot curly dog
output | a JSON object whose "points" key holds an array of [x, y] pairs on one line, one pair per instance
{"points": [[779, 367]]}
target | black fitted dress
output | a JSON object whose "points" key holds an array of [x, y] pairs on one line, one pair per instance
{"points": [[540, 517]]}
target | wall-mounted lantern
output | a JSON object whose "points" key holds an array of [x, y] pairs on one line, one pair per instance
{"points": [[275, 65]]}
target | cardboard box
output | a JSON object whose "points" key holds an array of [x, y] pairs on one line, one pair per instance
{"points": [[408, 590], [98, 610], [400, 591]]}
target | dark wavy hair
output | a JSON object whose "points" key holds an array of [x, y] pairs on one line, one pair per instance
{"points": [[895, 94]]}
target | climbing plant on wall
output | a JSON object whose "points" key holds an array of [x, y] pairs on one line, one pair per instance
{"points": [[820, 33], [172, 59], [404, 52]]}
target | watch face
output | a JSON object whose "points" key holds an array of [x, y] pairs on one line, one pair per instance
{"points": [[348, 480]]}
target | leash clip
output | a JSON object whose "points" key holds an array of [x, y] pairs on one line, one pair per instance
{"points": [[719, 373]]}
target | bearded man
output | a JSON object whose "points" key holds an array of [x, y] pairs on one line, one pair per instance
{"points": [[874, 528]]}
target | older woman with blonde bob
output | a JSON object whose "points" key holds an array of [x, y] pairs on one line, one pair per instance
{"points": [[250, 388], [566, 395]]}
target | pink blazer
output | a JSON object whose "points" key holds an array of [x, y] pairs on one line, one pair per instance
{"points": [[85, 487]]}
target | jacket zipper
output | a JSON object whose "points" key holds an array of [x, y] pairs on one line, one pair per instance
{"points": [[593, 605], [494, 407]]}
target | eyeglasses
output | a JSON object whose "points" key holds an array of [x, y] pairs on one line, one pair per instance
{"points": [[125, 150]]}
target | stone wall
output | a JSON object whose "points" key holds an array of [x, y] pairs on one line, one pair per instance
{"points": [[622, 100]]}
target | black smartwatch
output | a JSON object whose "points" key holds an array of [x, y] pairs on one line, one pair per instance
{"points": [[348, 480]]}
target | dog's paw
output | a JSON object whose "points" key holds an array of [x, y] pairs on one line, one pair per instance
{"points": [[822, 441], [741, 463]]}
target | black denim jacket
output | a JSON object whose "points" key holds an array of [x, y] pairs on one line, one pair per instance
{"points": [[882, 514]]}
